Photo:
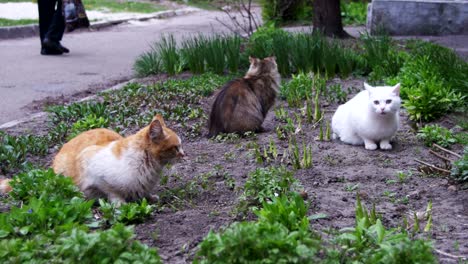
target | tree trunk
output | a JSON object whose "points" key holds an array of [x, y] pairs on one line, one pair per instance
{"points": [[327, 18]]}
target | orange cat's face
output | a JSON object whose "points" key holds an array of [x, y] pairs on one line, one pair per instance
{"points": [[164, 143]]}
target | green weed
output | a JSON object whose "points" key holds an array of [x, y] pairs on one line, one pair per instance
{"points": [[370, 242], [431, 134], [459, 170], [264, 184], [281, 235], [127, 213], [87, 123], [14, 150]]}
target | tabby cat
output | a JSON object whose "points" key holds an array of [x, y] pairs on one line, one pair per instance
{"points": [[242, 104]]}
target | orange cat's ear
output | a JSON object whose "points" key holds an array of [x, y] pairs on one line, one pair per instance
{"points": [[160, 119], [156, 131]]}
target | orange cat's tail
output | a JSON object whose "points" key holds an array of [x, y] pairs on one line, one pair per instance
{"points": [[5, 186]]}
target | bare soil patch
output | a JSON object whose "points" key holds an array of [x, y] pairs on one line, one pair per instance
{"points": [[340, 172]]}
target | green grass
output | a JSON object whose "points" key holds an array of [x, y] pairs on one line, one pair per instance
{"points": [[16, 22], [18, 1], [122, 6]]}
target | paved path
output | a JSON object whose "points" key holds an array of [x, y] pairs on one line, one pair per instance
{"points": [[96, 58]]}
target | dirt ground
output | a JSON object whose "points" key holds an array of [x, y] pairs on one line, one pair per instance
{"points": [[339, 172]]}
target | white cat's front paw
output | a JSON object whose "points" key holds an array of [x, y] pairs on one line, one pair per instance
{"points": [[385, 145], [370, 146]]}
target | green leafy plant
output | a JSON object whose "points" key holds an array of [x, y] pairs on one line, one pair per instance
{"points": [[87, 123], [265, 183], [116, 245], [261, 43], [459, 170], [127, 213], [433, 80], [370, 242], [44, 185], [281, 235], [353, 13], [15, 149], [286, 11], [298, 89], [436, 134]]}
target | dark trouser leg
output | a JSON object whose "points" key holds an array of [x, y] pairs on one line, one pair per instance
{"points": [[46, 14], [57, 25], [51, 20]]}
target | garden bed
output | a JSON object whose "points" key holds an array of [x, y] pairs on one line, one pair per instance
{"points": [[222, 179]]}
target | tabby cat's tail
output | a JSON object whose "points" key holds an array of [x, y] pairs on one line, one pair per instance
{"points": [[5, 186]]}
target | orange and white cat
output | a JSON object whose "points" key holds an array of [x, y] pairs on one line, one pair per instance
{"points": [[104, 164]]}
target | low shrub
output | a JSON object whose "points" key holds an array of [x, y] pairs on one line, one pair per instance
{"points": [[433, 80], [436, 134], [283, 11], [353, 13]]}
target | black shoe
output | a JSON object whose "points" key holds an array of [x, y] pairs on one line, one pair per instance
{"points": [[52, 47], [64, 49], [47, 51]]}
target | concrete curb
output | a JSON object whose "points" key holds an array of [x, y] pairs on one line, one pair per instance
{"points": [[38, 115], [33, 29]]}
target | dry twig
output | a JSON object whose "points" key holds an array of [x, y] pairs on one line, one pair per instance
{"points": [[432, 166], [446, 150]]}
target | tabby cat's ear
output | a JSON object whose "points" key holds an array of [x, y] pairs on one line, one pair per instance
{"points": [[160, 119], [271, 58], [396, 89], [253, 60], [156, 131]]}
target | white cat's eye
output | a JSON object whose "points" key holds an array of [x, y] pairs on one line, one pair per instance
{"points": [[376, 102], [388, 101]]}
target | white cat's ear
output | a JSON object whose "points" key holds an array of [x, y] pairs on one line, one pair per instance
{"points": [[368, 87], [396, 89], [156, 131]]}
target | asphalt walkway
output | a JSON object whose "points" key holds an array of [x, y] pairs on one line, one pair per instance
{"points": [[96, 59]]}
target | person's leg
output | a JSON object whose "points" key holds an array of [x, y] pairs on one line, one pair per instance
{"points": [[57, 25], [46, 13], [54, 34]]}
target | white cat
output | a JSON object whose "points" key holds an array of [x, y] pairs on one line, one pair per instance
{"points": [[369, 118]]}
